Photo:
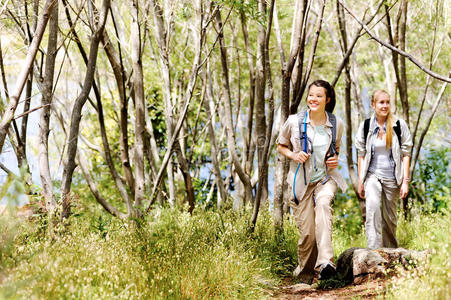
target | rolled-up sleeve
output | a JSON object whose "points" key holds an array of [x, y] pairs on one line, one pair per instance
{"points": [[360, 141], [285, 133], [406, 139]]}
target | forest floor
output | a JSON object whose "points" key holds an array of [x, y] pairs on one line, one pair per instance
{"points": [[367, 290]]}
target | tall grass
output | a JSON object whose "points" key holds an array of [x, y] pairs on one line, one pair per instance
{"points": [[209, 255], [168, 255], [432, 279]]}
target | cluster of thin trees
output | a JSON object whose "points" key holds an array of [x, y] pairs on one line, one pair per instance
{"points": [[178, 87]]}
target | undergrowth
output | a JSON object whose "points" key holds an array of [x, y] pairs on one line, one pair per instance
{"points": [[169, 254]]}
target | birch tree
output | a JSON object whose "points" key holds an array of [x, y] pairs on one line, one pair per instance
{"points": [[72, 141], [46, 101]]}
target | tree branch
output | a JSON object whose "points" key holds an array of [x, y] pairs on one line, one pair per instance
{"points": [[393, 48]]}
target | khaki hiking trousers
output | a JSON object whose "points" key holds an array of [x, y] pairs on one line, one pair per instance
{"points": [[313, 217], [382, 197]]}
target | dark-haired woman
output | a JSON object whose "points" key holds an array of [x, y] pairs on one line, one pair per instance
{"points": [[383, 149], [306, 139]]}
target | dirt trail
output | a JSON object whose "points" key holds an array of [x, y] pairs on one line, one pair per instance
{"points": [[367, 290]]}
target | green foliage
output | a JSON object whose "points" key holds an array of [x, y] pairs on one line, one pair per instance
{"points": [[431, 184], [10, 191], [347, 212], [248, 7], [332, 283], [432, 279], [201, 190], [168, 255]]}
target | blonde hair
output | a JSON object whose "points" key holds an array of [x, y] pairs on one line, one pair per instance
{"points": [[390, 119]]}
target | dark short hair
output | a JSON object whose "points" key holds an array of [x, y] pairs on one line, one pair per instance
{"points": [[330, 93]]}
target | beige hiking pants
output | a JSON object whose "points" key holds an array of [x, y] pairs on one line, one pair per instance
{"points": [[382, 197], [313, 218]]}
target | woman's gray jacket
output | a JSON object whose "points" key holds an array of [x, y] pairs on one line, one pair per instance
{"points": [[398, 151]]}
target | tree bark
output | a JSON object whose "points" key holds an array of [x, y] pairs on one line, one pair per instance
{"points": [[44, 123], [69, 165], [305, 78], [428, 123], [222, 196], [200, 41], [34, 46], [263, 130], [348, 112], [115, 60], [280, 184], [404, 97], [428, 82], [231, 140], [399, 51], [140, 106], [162, 41]]}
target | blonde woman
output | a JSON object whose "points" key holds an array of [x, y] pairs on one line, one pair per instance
{"points": [[311, 141], [383, 145]]}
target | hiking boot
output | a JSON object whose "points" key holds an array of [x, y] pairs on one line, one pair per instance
{"points": [[326, 271]]}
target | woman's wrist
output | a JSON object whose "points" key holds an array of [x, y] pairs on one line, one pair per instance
{"points": [[406, 180]]}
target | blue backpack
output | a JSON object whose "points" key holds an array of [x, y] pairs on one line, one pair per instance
{"points": [[306, 142]]}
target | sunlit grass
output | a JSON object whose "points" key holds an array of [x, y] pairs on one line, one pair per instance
{"points": [[431, 280], [168, 255], [209, 255]]}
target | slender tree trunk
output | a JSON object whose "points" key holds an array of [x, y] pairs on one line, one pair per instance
{"points": [[305, 78], [184, 168], [280, 184], [260, 113], [231, 140], [20, 83], [162, 41], [402, 64], [344, 45], [115, 60], [10, 132], [353, 42], [428, 82], [263, 130], [199, 42], [211, 134], [139, 106], [428, 124], [118, 181], [44, 123], [250, 115], [69, 165]]}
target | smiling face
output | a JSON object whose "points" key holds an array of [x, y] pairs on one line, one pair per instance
{"points": [[317, 98], [381, 105]]}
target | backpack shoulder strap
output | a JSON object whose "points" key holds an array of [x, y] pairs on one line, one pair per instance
{"points": [[333, 144], [366, 129], [302, 133], [397, 130]]}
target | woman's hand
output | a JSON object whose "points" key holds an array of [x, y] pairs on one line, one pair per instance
{"points": [[300, 157], [361, 190], [404, 189], [332, 162]]}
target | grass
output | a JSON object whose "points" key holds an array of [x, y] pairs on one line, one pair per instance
{"points": [[169, 255], [431, 280], [210, 255]]}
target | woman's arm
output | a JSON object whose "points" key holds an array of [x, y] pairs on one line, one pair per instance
{"points": [[406, 179], [361, 188], [299, 157]]}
